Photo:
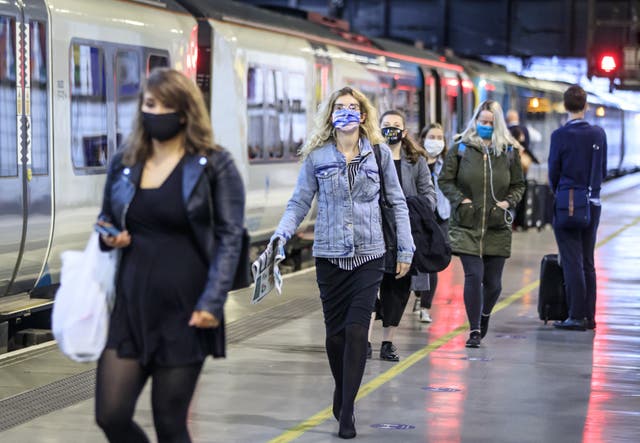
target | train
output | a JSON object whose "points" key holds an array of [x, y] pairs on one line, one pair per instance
{"points": [[71, 71]]}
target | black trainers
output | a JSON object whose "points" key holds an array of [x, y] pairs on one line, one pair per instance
{"points": [[369, 352], [388, 352], [474, 340], [484, 325]]}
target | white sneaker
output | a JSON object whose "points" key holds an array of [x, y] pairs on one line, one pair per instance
{"points": [[424, 316]]}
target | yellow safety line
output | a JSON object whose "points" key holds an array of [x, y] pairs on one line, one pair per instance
{"points": [[317, 419]]}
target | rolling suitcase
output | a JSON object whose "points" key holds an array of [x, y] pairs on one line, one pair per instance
{"points": [[552, 300]]}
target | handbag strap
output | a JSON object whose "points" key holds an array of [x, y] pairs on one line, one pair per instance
{"points": [[383, 189], [592, 169]]}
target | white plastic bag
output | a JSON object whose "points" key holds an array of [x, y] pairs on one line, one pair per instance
{"points": [[80, 320]]}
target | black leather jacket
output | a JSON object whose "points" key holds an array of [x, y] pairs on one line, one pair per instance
{"points": [[213, 195]]}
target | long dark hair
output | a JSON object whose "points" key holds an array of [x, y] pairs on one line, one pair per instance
{"points": [[175, 90], [411, 149]]}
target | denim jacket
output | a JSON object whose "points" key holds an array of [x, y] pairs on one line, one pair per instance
{"points": [[348, 223]]}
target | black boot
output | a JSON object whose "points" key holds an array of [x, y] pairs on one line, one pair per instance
{"points": [[347, 427], [388, 352], [484, 325]]}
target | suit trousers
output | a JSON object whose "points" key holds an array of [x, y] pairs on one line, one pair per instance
{"points": [[576, 247]]}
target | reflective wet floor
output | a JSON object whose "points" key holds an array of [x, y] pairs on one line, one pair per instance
{"points": [[526, 383]]}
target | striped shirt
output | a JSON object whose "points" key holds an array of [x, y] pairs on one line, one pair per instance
{"points": [[350, 263]]}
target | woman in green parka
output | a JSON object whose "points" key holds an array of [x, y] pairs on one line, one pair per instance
{"points": [[482, 178]]}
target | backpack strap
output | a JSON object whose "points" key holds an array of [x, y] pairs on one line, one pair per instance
{"points": [[461, 149]]}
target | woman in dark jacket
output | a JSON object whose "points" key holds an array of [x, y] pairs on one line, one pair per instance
{"points": [[482, 178], [432, 138], [413, 172], [178, 201]]}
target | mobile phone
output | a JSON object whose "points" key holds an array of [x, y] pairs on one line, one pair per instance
{"points": [[109, 231]]}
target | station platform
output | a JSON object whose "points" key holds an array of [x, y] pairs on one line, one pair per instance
{"points": [[528, 382]]}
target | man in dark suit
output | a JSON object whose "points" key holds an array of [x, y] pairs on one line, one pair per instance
{"points": [[577, 147]]}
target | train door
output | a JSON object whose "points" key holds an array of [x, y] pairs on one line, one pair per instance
{"points": [[11, 170], [31, 224]]}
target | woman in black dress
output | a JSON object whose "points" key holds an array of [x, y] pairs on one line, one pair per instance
{"points": [[178, 201]]}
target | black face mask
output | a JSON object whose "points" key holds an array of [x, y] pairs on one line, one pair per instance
{"points": [[162, 127], [393, 135]]}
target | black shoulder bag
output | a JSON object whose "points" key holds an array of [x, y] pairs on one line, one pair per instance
{"points": [[388, 221], [242, 278], [573, 205]]}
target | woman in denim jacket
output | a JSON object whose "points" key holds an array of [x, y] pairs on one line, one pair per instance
{"points": [[415, 179], [339, 166]]}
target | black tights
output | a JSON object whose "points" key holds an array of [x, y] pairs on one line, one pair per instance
{"points": [[482, 285], [347, 352], [118, 386]]}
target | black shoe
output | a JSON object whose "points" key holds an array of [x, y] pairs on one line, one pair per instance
{"points": [[388, 352], [590, 324], [347, 428], [474, 340], [571, 324], [484, 325], [369, 352]]}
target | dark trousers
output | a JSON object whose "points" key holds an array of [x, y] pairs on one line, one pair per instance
{"points": [[576, 247], [482, 285]]}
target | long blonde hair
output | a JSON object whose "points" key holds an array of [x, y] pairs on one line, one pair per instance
{"points": [[175, 90], [501, 138], [323, 131]]}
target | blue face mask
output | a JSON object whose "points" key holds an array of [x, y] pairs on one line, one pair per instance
{"points": [[484, 131], [346, 119]]}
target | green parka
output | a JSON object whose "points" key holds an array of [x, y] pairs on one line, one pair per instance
{"points": [[479, 227]]}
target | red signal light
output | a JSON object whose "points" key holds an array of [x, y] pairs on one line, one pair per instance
{"points": [[608, 63]]}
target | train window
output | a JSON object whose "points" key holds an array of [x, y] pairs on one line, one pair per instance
{"points": [[255, 84], [128, 85], [296, 127], [276, 114], [8, 139], [39, 101], [88, 106], [157, 61]]}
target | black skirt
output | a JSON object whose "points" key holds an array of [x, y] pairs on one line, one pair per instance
{"points": [[348, 296]]}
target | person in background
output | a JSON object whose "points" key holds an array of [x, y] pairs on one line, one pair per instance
{"points": [[177, 263], [521, 134], [432, 138], [413, 173], [482, 178], [339, 166], [571, 157]]}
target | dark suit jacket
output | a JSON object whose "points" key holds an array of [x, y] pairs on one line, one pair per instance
{"points": [[213, 195], [570, 156]]}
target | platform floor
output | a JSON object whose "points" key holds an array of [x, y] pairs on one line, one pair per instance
{"points": [[527, 382]]}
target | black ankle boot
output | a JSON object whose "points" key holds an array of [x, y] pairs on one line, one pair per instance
{"points": [[484, 325], [388, 352], [337, 403], [347, 427]]}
